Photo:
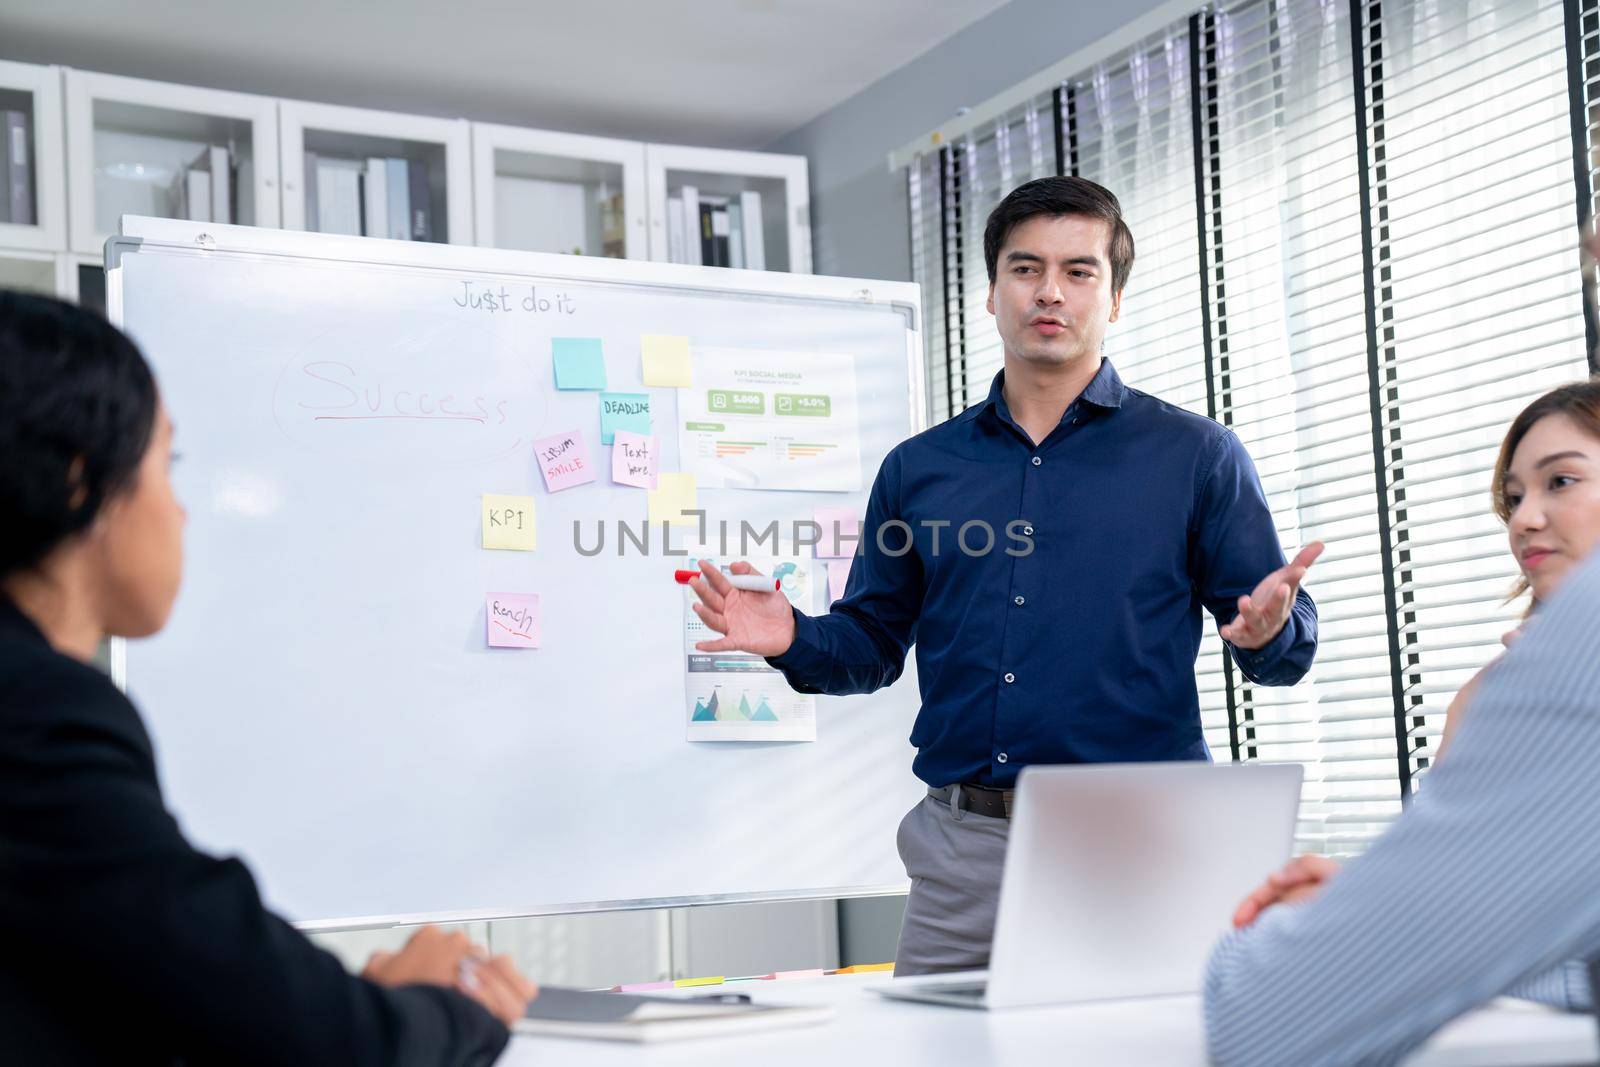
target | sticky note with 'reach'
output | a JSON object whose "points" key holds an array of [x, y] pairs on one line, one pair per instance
{"points": [[513, 619]]}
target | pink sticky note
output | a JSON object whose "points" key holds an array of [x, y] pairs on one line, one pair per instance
{"points": [[642, 987], [838, 573], [841, 529], [513, 620], [564, 460], [635, 458]]}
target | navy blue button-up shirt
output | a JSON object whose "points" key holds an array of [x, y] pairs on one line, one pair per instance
{"points": [[1072, 637]]}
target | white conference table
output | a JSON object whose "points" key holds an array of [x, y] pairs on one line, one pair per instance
{"points": [[1154, 1032]]}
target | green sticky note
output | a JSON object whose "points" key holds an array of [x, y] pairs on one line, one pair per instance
{"points": [[579, 362], [624, 411]]}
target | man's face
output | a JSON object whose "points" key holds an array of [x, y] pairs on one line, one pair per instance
{"points": [[1051, 297]]}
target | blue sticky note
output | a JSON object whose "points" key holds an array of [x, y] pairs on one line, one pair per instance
{"points": [[624, 411], [579, 362]]}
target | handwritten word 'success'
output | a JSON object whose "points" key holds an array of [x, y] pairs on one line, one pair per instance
{"points": [[346, 393], [474, 297]]}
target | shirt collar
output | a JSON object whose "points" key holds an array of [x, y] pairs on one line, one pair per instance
{"points": [[1105, 390]]}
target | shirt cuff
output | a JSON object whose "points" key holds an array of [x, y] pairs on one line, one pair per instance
{"points": [[1258, 661], [804, 664]]}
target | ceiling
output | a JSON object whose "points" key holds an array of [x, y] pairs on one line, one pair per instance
{"points": [[725, 73]]}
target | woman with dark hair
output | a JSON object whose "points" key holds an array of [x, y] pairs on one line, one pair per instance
{"points": [[119, 942], [1546, 489]]}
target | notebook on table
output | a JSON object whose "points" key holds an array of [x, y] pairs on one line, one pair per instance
{"points": [[561, 1012]]}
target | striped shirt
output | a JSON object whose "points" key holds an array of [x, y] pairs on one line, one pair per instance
{"points": [[1484, 886]]}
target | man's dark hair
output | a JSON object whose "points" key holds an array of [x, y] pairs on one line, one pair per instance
{"points": [[1055, 197], [77, 410]]}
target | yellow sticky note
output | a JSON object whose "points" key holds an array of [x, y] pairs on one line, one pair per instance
{"points": [[508, 522], [666, 360], [673, 495]]}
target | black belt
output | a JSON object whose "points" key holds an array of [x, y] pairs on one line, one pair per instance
{"points": [[964, 796]]}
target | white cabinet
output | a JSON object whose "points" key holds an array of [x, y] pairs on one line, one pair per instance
{"points": [[332, 153], [172, 151], [33, 214], [541, 191], [719, 177]]}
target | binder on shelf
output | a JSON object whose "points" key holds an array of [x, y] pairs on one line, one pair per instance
{"points": [[16, 181], [720, 230], [197, 195], [675, 253], [755, 251], [310, 187], [613, 226], [735, 235], [375, 196], [691, 224], [339, 196], [399, 200], [421, 217], [222, 185], [708, 245]]}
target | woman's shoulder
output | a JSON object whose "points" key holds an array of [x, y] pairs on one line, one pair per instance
{"points": [[44, 694]]}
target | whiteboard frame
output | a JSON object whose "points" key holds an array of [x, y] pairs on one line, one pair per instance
{"points": [[200, 238]]}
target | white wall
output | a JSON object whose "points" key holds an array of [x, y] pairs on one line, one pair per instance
{"points": [[859, 217]]}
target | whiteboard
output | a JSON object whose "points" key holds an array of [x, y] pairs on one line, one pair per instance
{"points": [[323, 702]]}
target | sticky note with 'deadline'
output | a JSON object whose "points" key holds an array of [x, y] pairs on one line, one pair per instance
{"points": [[508, 522], [579, 361], [623, 411], [513, 619], [665, 359], [673, 495]]}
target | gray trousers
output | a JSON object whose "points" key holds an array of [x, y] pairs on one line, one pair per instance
{"points": [[954, 863]]}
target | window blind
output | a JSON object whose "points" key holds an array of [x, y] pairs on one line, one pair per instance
{"points": [[1356, 226], [1479, 306]]}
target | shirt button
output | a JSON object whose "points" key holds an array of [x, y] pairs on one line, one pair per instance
{"points": [[1010, 677], [1028, 530], [1037, 461], [1019, 601], [1001, 758]]}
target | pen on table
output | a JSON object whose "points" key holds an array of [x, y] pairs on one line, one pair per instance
{"points": [[755, 583]]}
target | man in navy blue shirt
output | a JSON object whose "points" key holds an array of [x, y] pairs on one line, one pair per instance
{"points": [[1048, 550]]}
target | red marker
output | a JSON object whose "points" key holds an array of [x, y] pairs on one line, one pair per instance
{"points": [[755, 583]]}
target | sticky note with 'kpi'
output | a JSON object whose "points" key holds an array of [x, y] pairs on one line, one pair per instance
{"points": [[508, 522]]}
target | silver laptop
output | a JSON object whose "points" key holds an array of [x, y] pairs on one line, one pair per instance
{"points": [[1119, 878]]}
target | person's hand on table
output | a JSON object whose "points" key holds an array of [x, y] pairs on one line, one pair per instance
{"points": [[759, 623], [435, 957], [1263, 613], [1301, 879]]}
